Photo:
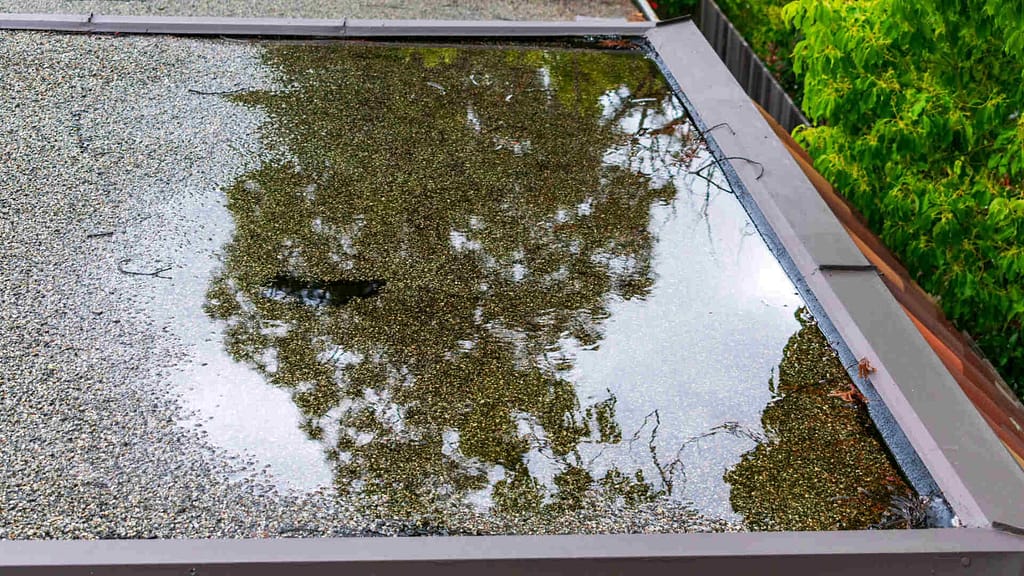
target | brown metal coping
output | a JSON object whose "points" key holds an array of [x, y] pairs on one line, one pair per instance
{"points": [[979, 380]]}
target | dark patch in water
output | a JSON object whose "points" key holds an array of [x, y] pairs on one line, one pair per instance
{"points": [[321, 292]]}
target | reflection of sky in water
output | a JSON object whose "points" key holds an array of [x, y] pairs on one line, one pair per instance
{"points": [[239, 412], [699, 350], [694, 354], [228, 400], [700, 347]]}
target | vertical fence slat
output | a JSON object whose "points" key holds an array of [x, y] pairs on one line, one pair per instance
{"points": [[745, 66]]}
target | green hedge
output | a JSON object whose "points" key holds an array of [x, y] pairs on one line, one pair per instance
{"points": [[918, 109]]}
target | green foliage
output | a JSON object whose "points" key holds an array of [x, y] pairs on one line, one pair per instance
{"points": [[919, 111]]}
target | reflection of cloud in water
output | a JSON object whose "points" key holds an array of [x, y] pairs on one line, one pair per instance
{"points": [[240, 413], [699, 348]]}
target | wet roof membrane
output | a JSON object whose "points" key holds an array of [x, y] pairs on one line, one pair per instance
{"points": [[360, 289]]}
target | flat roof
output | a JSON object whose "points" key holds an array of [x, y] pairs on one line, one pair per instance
{"points": [[978, 477], [297, 287]]}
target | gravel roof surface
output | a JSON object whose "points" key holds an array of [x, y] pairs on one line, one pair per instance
{"points": [[390, 9], [113, 171], [97, 130]]}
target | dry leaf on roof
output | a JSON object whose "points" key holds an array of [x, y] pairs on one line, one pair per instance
{"points": [[864, 368], [851, 394]]}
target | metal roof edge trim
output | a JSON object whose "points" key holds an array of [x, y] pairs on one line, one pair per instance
{"points": [[917, 390], [341, 28], [393, 28], [216, 26], [55, 22], [656, 553], [645, 8]]}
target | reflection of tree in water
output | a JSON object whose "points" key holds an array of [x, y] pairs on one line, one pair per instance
{"points": [[474, 186], [824, 467]]}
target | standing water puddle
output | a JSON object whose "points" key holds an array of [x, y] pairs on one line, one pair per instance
{"points": [[493, 287], [459, 290]]}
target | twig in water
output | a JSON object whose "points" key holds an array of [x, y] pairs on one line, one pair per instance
{"points": [[156, 273], [99, 234], [216, 92], [759, 165], [718, 162], [711, 182], [299, 530]]}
